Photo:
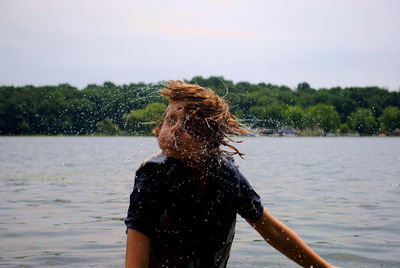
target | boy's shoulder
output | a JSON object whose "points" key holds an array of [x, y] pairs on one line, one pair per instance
{"points": [[228, 161], [154, 160], [157, 158], [161, 161]]}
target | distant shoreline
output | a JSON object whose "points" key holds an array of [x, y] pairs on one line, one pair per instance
{"points": [[135, 108]]}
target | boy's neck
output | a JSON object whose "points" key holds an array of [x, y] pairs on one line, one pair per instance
{"points": [[195, 166], [198, 166], [198, 172]]}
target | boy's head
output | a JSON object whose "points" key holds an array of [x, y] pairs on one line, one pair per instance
{"points": [[202, 115]]}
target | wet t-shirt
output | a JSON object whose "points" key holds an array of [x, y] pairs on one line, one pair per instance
{"points": [[188, 227]]}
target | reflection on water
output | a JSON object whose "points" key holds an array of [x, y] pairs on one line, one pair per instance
{"points": [[63, 200]]}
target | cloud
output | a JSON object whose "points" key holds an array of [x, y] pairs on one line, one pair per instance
{"points": [[175, 29]]}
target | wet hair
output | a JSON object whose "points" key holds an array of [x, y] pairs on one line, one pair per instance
{"points": [[208, 118]]}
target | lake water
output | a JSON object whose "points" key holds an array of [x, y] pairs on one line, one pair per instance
{"points": [[63, 199]]}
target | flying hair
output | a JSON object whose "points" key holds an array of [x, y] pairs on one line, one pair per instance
{"points": [[208, 117]]}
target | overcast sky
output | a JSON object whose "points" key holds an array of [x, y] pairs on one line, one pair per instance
{"points": [[325, 43]]}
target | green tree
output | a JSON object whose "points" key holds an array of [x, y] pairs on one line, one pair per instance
{"points": [[270, 116], [107, 127], [345, 129], [304, 87], [390, 119], [322, 116], [142, 121], [293, 116], [63, 109], [363, 122]]}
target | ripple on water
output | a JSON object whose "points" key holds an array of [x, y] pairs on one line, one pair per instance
{"points": [[341, 201], [353, 260], [61, 201], [369, 206]]}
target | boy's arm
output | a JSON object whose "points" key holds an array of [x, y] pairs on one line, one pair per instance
{"points": [[137, 250], [287, 241]]}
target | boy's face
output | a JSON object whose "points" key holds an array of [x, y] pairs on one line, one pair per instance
{"points": [[174, 138]]}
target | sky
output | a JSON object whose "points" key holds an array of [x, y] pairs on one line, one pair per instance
{"points": [[326, 43]]}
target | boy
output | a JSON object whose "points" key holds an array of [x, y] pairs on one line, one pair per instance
{"points": [[183, 207]]}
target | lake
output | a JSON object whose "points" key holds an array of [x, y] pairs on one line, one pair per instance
{"points": [[63, 199]]}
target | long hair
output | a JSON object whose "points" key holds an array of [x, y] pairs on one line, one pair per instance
{"points": [[208, 117]]}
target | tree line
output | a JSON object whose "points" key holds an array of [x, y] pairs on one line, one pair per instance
{"points": [[133, 108]]}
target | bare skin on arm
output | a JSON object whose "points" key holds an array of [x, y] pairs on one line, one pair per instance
{"points": [[287, 241], [137, 250]]}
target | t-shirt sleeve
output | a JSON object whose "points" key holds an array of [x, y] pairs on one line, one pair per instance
{"points": [[143, 202], [250, 206]]}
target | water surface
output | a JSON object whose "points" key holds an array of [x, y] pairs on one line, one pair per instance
{"points": [[63, 199]]}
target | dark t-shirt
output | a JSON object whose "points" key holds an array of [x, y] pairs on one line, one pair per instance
{"points": [[188, 227]]}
